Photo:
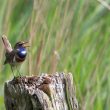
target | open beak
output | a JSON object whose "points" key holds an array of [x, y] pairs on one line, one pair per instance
{"points": [[25, 44]]}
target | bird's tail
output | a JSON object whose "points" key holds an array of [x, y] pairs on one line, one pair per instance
{"points": [[7, 44]]}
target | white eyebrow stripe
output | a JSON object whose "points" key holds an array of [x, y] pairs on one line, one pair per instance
{"points": [[17, 49]]}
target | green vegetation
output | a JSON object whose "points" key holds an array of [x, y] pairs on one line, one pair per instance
{"points": [[64, 35]]}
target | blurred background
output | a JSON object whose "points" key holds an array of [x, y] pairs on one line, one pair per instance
{"points": [[65, 36]]}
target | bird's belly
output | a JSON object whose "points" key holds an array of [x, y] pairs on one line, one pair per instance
{"points": [[16, 61]]}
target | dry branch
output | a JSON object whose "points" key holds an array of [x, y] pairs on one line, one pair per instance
{"points": [[46, 92]]}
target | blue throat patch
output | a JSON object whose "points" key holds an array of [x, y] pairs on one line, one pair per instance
{"points": [[21, 52]]}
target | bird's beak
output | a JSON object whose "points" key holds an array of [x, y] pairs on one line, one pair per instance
{"points": [[26, 44]]}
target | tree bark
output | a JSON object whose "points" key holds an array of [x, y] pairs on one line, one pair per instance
{"points": [[45, 92]]}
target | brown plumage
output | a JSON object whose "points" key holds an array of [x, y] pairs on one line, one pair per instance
{"points": [[14, 55]]}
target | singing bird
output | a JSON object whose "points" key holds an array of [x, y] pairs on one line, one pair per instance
{"points": [[16, 55]]}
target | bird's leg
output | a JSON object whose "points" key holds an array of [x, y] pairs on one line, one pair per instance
{"points": [[18, 71], [12, 71]]}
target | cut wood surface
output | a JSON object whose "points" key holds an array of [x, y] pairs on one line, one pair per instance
{"points": [[45, 92]]}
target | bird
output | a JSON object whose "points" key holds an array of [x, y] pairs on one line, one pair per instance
{"points": [[14, 56]]}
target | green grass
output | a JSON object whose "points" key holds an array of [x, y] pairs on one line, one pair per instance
{"points": [[65, 35]]}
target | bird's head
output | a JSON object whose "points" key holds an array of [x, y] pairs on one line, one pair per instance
{"points": [[21, 44]]}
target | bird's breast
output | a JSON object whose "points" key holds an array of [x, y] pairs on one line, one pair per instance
{"points": [[18, 59], [20, 54]]}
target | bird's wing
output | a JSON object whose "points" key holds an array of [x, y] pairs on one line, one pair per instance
{"points": [[7, 44], [9, 57]]}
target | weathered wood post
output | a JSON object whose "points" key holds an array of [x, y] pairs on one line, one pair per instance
{"points": [[46, 92]]}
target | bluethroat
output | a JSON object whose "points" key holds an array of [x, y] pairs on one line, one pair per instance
{"points": [[16, 55]]}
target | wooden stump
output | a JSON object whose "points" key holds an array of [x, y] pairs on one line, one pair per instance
{"points": [[46, 92]]}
